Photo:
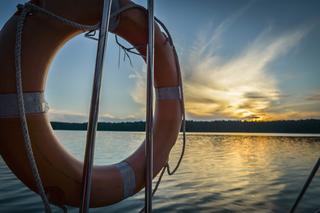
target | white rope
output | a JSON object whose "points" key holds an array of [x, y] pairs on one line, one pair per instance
{"points": [[82, 27], [25, 10], [22, 113]]}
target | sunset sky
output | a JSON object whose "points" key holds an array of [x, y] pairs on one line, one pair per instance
{"points": [[248, 60]]}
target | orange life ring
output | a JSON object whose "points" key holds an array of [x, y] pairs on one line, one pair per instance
{"points": [[60, 172]]}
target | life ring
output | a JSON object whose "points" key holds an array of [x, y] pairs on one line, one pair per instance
{"points": [[61, 173]]}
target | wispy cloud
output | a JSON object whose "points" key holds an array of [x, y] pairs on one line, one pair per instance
{"points": [[315, 97], [293, 115], [231, 88], [138, 93], [209, 45], [67, 116], [240, 87]]}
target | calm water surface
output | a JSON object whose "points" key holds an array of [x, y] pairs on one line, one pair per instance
{"points": [[220, 173]]}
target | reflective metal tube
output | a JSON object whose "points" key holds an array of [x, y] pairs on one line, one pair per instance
{"points": [[94, 108]]}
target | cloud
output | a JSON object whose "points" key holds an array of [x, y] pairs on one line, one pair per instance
{"points": [[204, 43], [294, 114], [138, 93], [240, 87], [315, 97], [67, 116]]}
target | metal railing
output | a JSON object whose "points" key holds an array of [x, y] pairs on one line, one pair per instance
{"points": [[149, 111], [94, 109], [306, 185]]}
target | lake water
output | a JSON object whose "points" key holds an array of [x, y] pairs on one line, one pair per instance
{"points": [[220, 173]]}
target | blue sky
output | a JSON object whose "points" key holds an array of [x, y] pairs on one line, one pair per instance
{"points": [[240, 60]]}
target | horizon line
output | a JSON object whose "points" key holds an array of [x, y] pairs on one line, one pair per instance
{"points": [[222, 120]]}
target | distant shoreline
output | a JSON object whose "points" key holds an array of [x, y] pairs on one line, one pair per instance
{"points": [[310, 126]]}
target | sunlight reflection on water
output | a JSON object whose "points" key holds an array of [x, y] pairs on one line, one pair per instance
{"points": [[220, 173]]}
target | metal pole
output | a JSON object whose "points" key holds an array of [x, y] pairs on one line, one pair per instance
{"points": [[94, 108], [149, 111], [306, 185]]}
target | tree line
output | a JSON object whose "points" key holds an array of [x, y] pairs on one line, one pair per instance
{"points": [[285, 126]]}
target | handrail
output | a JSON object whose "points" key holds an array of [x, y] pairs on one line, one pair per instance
{"points": [[149, 111], [306, 185], [94, 108]]}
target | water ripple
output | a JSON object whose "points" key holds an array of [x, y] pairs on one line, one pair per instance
{"points": [[220, 173]]}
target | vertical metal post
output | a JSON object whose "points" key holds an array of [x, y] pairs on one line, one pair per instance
{"points": [[306, 185], [149, 111], [94, 108]]}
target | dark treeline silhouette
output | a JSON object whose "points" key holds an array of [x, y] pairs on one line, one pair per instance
{"points": [[102, 126], [287, 126]]}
